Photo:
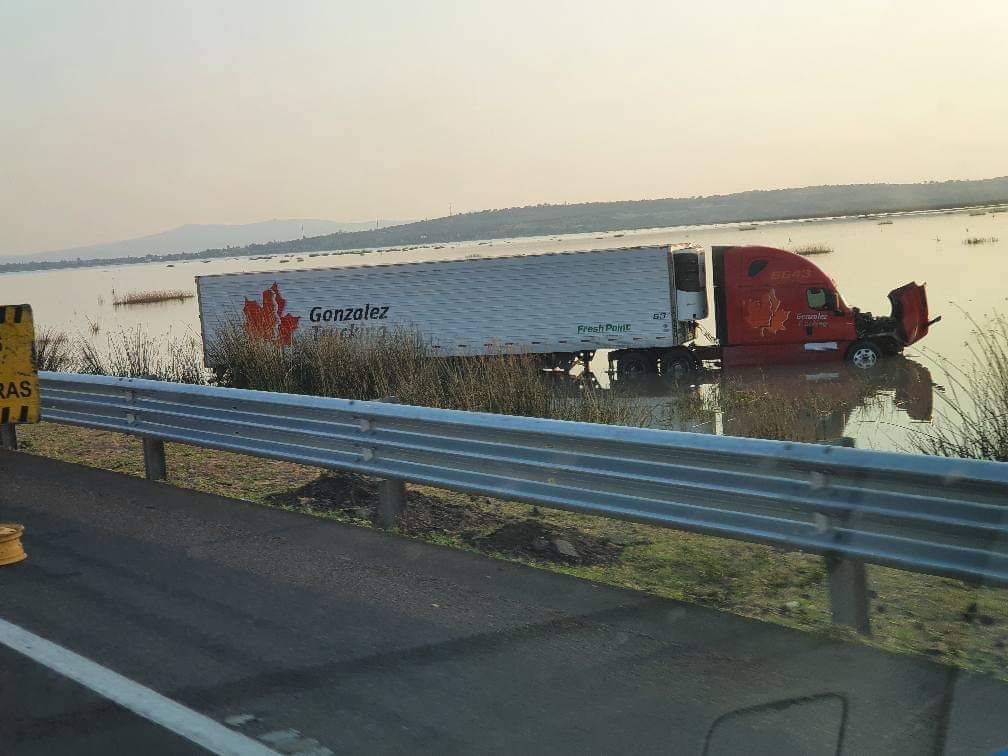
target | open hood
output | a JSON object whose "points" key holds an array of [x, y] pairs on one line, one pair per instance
{"points": [[910, 311]]}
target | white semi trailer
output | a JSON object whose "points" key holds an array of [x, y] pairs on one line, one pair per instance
{"points": [[642, 302]]}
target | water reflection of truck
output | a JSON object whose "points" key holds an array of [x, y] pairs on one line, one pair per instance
{"points": [[641, 303], [817, 406], [812, 405]]}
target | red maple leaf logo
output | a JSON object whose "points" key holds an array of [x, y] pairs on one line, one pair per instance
{"points": [[764, 313], [266, 319]]}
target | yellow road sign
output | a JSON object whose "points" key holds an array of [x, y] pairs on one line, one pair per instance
{"points": [[19, 399]]}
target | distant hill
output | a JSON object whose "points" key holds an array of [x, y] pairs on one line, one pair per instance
{"points": [[195, 237], [535, 220], [770, 204]]}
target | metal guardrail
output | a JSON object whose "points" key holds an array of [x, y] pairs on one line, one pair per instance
{"points": [[925, 514]]}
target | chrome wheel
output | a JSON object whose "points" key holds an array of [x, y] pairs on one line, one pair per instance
{"points": [[864, 357]]}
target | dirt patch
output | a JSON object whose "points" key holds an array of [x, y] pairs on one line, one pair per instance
{"points": [[431, 514], [533, 539], [356, 496]]}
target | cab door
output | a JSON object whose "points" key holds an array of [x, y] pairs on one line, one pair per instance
{"points": [[823, 317], [780, 308]]}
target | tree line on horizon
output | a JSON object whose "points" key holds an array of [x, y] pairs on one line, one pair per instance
{"points": [[623, 215]]}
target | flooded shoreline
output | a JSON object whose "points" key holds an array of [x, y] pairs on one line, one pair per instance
{"points": [[867, 261]]}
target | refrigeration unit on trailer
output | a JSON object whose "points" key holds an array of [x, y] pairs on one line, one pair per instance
{"points": [[641, 304]]}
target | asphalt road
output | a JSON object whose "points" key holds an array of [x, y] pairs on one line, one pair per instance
{"points": [[328, 638]]}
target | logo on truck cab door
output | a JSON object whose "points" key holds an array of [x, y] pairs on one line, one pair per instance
{"points": [[764, 313]]}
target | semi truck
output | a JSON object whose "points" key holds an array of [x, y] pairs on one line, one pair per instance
{"points": [[641, 304]]}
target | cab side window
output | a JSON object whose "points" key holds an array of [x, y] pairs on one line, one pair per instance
{"points": [[817, 298]]}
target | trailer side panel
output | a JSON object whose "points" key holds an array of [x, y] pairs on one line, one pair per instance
{"points": [[563, 302]]}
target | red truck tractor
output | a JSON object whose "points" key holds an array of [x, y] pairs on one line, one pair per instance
{"points": [[774, 307]]}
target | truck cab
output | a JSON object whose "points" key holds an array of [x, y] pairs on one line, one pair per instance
{"points": [[773, 306]]}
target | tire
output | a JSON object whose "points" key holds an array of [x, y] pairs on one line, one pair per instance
{"points": [[635, 364], [864, 355], [678, 364]]}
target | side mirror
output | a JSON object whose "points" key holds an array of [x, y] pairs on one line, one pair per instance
{"points": [[832, 303]]}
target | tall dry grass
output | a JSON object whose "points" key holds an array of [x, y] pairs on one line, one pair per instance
{"points": [[125, 354], [135, 354], [973, 414], [805, 250], [150, 297], [55, 351], [401, 365]]}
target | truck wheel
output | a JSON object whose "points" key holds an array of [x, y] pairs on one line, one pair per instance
{"points": [[633, 364], [864, 355], [678, 364]]}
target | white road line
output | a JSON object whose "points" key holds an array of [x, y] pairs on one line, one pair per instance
{"points": [[133, 696]]}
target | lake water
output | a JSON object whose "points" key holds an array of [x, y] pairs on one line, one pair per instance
{"points": [[869, 259]]}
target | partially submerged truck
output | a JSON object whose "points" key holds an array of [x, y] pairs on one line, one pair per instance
{"points": [[643, 304]]}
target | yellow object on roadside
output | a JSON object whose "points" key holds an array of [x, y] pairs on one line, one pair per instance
{"points": [[19, 397], [11, 550]]}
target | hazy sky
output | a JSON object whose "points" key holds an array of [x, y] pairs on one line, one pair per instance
{"points": [[125, 118]]}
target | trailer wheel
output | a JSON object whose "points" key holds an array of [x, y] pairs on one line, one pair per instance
{"points": [[678, 364], [633, 364], [864, 355]]}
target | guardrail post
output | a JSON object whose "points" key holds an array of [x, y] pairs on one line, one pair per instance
{"points": [[848, 589], [392, 497], [391, 492], [8, 436], [155, 465]]}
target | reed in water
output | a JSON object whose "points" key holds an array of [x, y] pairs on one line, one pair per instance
{"points": [[151, 297]]}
